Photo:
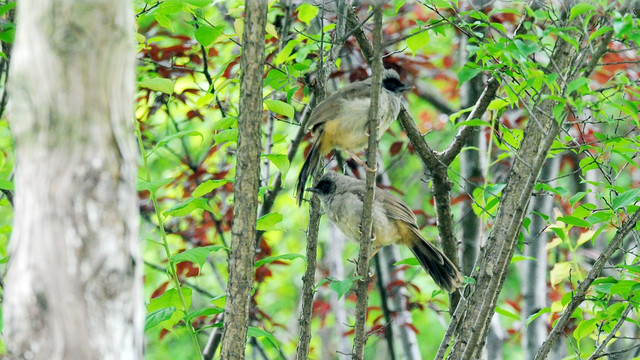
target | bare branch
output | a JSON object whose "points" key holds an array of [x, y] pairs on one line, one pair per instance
{"points": [[362, 285]]}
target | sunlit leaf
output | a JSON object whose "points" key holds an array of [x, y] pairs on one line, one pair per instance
{"points": [[420, 39], [280, 107], [158, 84], [281, 161], [307, 12], [186, 207], [196, 255], [156, 317], [559, 272], [626, 198], [208, 186], [269, 221], [271, 259], [256, 332]]}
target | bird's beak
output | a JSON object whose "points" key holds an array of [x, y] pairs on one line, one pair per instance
{"points": [[313, 190], [406, 88]]}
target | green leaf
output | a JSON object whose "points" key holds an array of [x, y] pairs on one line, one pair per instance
{"points": [[632, 268], [271, 259], [198, 3], [228, 135], [171, 298], [579, 9], [256, 332], [585, 327], [412, 261], [6, 184], [577, 84], [497, 104], [5, 8], [196, 255], [281, 161], [171, 137], [397, 4], [626, 198], [559, 272], [473, 122], [572, 220], [280, 107], [467, 73], [158, 84], [518, 258], [507, 313], [306, 13], [341, 287], [537, 315], [152, 186], [208, 186], [268, 222], [420, 39], [624, 288], [206, 35], [271, 30], [186, 207], [163, 20], [203, 312], [156, 317], [577, 197]]}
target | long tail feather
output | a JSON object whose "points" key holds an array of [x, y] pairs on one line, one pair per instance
{"points": [[308, 170], [434, 262]]}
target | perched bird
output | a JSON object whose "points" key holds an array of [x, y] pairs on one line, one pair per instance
{"points": [[340, 121], [393, 223]]}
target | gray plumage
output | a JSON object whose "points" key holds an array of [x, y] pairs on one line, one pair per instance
{"points": [[340, 120], [342, 199]]}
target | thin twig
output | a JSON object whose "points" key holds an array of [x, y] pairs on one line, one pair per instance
{"points": [[612, 333], [580, 293]]}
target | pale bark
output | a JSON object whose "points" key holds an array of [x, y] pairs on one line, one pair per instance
{"points": [[243, 230], [73, 288], [534, 271]]}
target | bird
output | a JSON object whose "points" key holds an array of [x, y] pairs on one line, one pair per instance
{"points": [[342, 199], [340, 121]]}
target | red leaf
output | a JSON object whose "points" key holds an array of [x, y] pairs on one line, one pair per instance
{"points": [[160, 290], [187, 269], [395, 148]]}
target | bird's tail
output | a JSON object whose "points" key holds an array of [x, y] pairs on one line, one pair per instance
{"points": [[437, 264], [308, 169]]}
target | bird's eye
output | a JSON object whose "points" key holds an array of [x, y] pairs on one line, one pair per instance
{"points": [[392, 84], [325, 186]]}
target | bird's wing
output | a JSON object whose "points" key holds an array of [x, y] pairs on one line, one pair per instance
{"points": [[397, 209], [330, 107]]}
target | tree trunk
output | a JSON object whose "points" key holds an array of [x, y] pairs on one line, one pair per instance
{"points": [[73, 287], [534, 272], [236, 313]]}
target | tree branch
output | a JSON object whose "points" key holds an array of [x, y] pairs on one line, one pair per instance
{"points": [[580, 293], [612, 333], [245, 208], [362, 285], [308, 284]]}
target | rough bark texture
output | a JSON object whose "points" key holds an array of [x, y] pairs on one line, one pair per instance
{"points": [[471, 320], [362, 294], [315, 209], [243, 230], [73, 288]]}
